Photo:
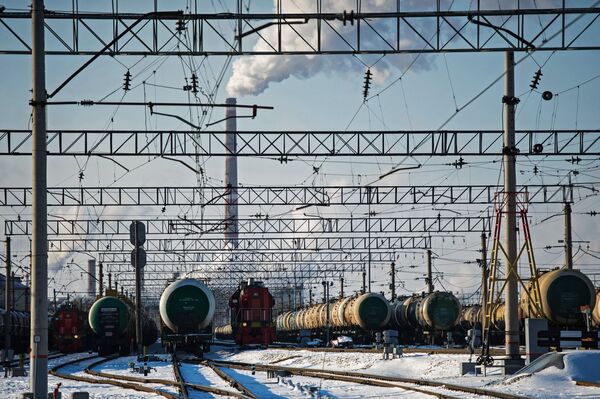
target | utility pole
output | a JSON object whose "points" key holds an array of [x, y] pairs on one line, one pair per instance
{"points": [[429, 273], [484, 274], [393, 282], [310, 296], [7, 302], [326, 285], [39, 253], [341, 287], [511, 330], [364, 282], [568, 238], [110, 281], [100, 278]]}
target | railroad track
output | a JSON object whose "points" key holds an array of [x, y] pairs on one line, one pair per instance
{"points": [[411, 384], [136, 383], [432, 351]]}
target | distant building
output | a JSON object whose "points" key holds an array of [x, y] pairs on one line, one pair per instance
{"points": [[20, 294]]}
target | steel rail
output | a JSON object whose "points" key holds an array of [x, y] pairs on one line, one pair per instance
{"points": [[370, 379]]}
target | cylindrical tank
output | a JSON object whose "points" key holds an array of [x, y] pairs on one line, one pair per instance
{"points": [[435, 311], [563, 293], [224, 330], [470, 316], [596, 311], [370, 311], [438, 311], [187, 306], [98, 312]]}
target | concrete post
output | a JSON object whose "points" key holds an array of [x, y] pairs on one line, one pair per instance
{"points": [[100, 278], [39, 253], [393, 280], [7, 301], [511, 331], [484, 274], [568, 238], [91, 278]]}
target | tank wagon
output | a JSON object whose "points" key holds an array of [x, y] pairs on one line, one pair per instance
{"points": [[348, 316], [18, 330], [563, 293], [187, 307], [112, 319], [69, 328], [252, 314], [596, 311], [425, 317]]}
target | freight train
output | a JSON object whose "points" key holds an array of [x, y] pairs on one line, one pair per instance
{"points": [[112, 320], [564, 292], [424, 318], [69, 328], [187, 307], [251, 307], [357, 316]]}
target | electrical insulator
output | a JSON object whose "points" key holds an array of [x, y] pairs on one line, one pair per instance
{"points": [[194, 83], [536, 79], [127, 81], [180, 25], [367, 85]]}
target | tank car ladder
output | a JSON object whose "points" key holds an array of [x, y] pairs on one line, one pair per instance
{"points": [[491, 302]]}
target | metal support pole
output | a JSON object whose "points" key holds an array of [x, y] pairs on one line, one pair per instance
{"points": [[484, 274], [39, 253], [568, 238], [429, 273], [7, 302], [138, 295], [327, 315], [393, 280], [110, 281], [511, 330], [341, 287], [310, 296], [54, 299]]}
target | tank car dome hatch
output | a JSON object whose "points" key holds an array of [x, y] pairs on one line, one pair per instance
{"points": [[187, 305]]}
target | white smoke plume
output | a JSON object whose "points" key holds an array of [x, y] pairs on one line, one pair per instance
{"points": [[252, 75]]}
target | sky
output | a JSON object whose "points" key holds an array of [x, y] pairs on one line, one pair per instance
{"points": [[321, 93]]}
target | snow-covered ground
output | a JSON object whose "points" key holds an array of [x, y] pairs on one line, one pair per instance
{"points": [[551, 382], [548, 383]]}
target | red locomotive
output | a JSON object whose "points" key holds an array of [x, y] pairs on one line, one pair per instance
{"points": [[252, 314], [70, 332]]}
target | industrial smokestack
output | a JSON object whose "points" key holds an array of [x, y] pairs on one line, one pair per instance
{"points": [[91, 278], [231, 181]]}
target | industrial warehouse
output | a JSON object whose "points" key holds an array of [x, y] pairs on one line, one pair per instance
{"points": [[300, 199]]}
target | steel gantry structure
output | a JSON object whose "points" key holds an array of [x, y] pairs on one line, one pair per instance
{"points": [[259, 226], [395, 28], [285, 144], [291, 195]]}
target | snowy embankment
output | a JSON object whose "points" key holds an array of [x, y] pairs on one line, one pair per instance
{"points": [[551, 382]]}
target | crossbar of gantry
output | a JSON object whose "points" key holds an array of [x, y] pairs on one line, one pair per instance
{"points": [[399, 28], [284, 145], [256, 226], [250, 258], [299, 196], [345, 243]]}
